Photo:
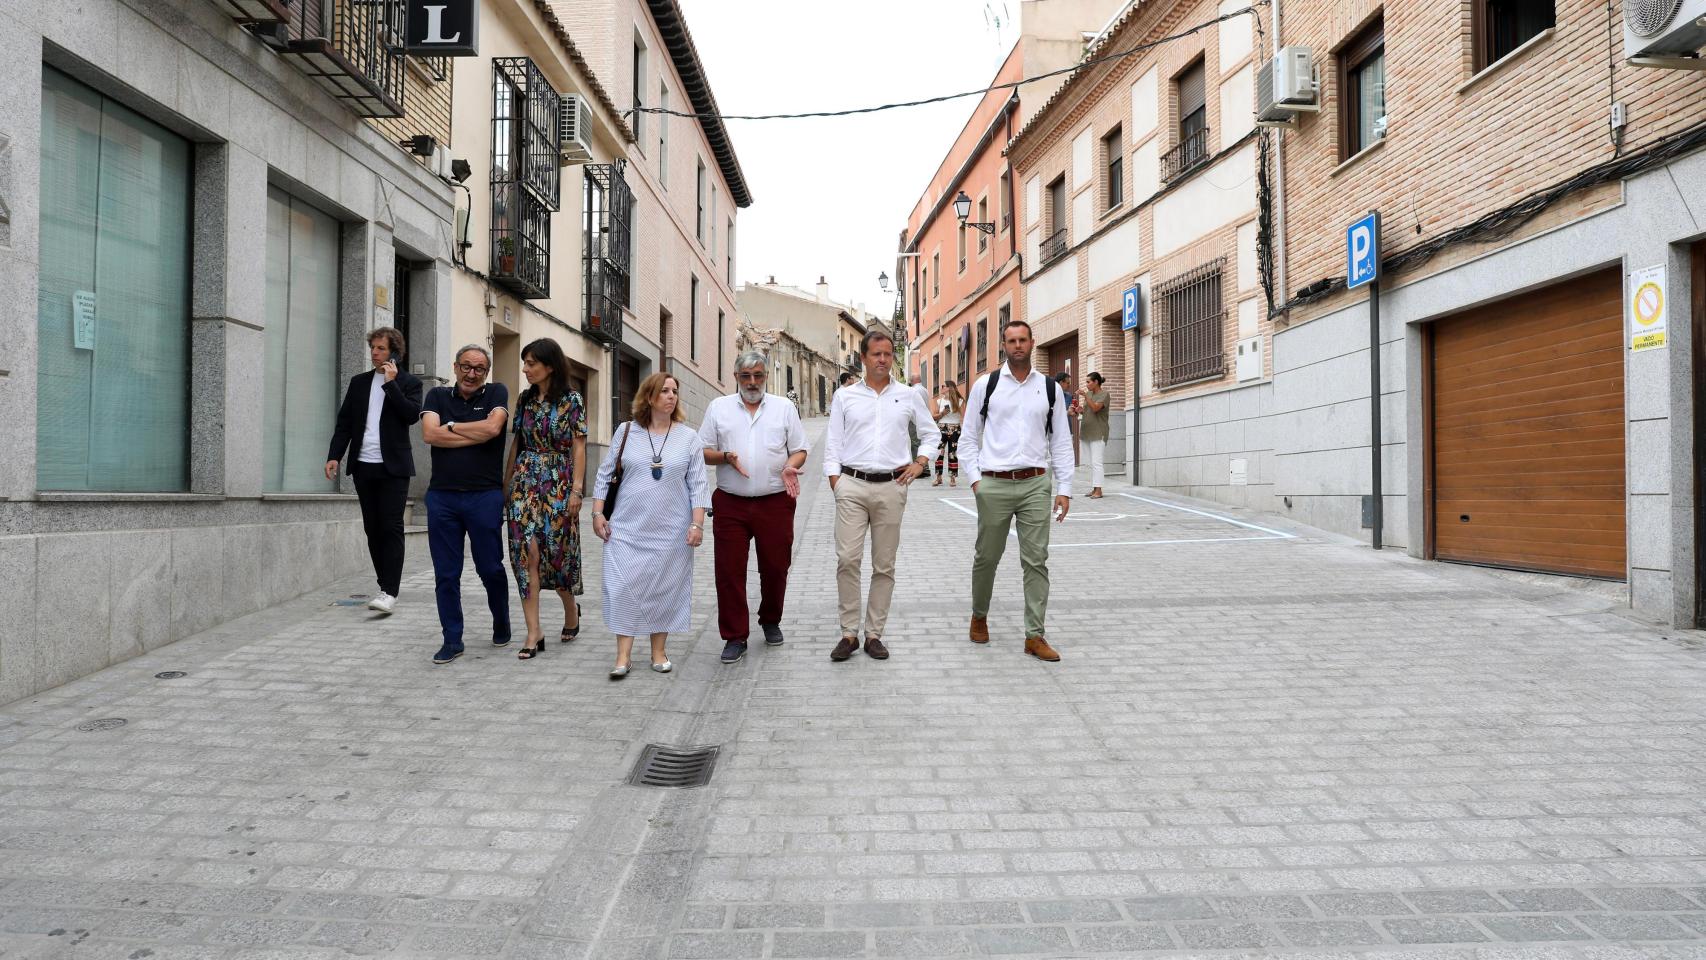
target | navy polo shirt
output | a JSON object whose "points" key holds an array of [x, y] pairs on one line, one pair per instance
{"points": [[481, 466]]}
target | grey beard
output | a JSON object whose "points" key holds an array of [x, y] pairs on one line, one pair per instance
{"points": [[752, 396]]}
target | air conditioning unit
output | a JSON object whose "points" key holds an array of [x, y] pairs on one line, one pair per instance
{"points": [[574, 130], [1664, 33], [1285, 86]]}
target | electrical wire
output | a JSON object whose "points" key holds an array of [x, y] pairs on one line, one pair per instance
{"points": [[1505, 221], [1010, 85]]}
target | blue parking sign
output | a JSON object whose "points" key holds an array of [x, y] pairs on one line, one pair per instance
{"points": [[1362, 251], [1129, 311]]}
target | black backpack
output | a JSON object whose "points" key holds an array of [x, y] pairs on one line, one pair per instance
{"points": [[989, 388]]}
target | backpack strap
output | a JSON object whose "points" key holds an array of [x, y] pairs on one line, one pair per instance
{"points": [[989, 388], [1048, 422]]}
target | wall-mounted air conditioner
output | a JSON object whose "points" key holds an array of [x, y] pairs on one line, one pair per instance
{"points": [[1285, 87], [574, 130], [1664, 33]]}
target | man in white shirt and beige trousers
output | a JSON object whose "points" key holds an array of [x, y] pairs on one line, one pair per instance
{"points": [[867, 458], [1008, 441]]}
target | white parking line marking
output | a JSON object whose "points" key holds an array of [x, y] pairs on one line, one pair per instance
{"points": [[1270, 534], [1276, 534]]}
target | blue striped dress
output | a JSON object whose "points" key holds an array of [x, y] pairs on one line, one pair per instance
{"points": [[648, 566]]}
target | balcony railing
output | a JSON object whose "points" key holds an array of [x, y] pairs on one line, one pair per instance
{"points": [[255, 11], [1191, 153], [1054, 247], [521, 241], [606, 255], [353, 49]]}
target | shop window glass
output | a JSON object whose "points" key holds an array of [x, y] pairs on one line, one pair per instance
{"points": [[301, 387], [112, 306]]}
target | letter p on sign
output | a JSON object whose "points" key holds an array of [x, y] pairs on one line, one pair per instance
{"points": [[1362, 251]]}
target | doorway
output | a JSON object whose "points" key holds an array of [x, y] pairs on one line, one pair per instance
{"points": [[1062, 357]]}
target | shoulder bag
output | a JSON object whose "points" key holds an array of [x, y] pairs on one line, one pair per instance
{"points": [[615, 484]]}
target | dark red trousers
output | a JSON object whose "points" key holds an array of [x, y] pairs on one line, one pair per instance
{"points": [[734, 521]]}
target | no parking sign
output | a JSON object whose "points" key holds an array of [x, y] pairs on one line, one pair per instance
{"points": [[1647, 309]]}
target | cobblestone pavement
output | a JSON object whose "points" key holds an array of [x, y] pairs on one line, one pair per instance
{"points": [[1261, 741]]}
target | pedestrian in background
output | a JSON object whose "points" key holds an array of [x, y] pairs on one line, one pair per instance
{"points": [[847, 376], [545, 477], [464, 424], [950, 407], [373, 424], [757, 445], [655, 523], [1018, 430], [1093, 430], [1074, 406], [865, 459]]}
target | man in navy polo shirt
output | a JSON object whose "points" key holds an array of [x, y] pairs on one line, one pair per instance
{"points": [[464, 425]]}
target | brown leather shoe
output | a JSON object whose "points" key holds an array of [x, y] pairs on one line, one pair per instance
{"points": [[979, 629], [846, 648], [874, 647], [1039, 648]]}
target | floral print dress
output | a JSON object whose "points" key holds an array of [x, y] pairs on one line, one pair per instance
{"points": [[538, 508]]}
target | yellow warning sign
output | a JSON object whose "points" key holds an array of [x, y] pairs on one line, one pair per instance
{"points": [[1647, 308]]}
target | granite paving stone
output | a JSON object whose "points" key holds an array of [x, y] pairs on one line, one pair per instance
{"points": [[1261, 741]]}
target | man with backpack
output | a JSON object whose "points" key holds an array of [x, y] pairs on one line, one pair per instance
{"points": [[1015, 430]]}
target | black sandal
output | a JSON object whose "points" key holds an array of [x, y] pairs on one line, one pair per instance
{"points": [[569, 633], [528, 653]]}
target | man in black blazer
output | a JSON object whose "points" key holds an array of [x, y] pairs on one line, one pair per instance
{"points": [[373, 427]]}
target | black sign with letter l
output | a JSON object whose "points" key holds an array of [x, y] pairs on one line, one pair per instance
{"points": [[444, 28]]}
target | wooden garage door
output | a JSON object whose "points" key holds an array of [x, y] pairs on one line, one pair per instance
{"points": [[1527, 451]]}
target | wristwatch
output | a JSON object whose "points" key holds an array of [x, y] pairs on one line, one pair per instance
{"points": [[451, 426]]}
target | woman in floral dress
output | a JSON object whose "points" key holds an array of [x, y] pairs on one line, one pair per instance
{"points": [[546, 477]]}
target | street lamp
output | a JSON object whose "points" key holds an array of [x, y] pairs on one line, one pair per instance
{"points": [[962, 209], [883, 281]]}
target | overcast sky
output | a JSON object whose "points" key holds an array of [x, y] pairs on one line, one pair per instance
{"points": [[831, 195]]}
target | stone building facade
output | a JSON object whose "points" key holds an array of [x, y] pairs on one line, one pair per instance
{"points": [[198, 235]]}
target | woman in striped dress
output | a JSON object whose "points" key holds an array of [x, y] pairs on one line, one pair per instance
{"points": [[658, 519]]}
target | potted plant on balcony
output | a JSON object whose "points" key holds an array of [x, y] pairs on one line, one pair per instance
{"points": [[506, 256]]}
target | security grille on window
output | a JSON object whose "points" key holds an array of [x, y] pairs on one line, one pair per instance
{"points": [[525, 175], [605, 252], [982, 344], [1189, 327]]}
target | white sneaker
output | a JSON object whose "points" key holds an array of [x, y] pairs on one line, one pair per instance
{"points": [[384, 603]]}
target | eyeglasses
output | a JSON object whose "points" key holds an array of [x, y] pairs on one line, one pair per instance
{"points": [[749, 376], [472, 368]]}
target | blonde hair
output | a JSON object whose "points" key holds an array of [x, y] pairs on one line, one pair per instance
{"points": [[649, 389]]}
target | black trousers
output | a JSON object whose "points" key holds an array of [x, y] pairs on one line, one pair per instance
{"points": [[383, 498]]}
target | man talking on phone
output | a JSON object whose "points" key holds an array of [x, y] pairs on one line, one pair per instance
{"points": [[373, 428]]}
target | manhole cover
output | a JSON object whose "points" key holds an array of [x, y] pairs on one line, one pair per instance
{"points": [[105, 723], [170, 675], [662, 766]]}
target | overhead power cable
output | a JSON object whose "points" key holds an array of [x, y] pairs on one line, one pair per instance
{"points": [[1010, 85]]}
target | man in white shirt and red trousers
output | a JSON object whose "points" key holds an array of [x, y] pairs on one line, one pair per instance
{"points": [[868, 459], [757, 444], [1015, 428]]}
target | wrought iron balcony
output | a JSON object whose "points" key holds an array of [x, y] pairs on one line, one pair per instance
{"points": [[605, 252], [1191, 153], [256, 11], [521, 241], [353, 49], [1054, 247]]}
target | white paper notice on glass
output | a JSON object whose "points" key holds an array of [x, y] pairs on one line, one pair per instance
{"points": [[1647, 308], [83, 320]]}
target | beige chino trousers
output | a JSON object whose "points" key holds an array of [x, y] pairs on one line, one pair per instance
{"points": [[862, 506]]}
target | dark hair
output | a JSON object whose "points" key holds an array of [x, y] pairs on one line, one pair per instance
{"points": [[391, 335], [1062, 377], [873, 336], [1093, 375], [549, 354], [1018, 323], [847, 376]]}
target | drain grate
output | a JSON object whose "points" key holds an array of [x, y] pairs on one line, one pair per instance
{"points": [[105, 723], [170, 675], [662, 766]]}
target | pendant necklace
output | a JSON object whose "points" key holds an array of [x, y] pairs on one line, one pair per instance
{"points": [[657, 452]]}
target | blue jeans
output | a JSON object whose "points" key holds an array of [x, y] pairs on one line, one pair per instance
{"points": [[478, 515]]}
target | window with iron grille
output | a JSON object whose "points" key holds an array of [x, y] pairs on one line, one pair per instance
{"points": [[982, 217], [693, 318], [1191, 149], [352, 49], [982, 344], [524, 176], [1189, 327], [605, 251]]}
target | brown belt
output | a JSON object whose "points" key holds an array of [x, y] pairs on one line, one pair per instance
{"points": [[881, 476], [1024, 474]]}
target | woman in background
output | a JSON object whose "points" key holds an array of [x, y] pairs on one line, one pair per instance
{"points": [[950, 411], [545, 477]]}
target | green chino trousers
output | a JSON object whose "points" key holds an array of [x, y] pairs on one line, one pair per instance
{"points": [[999, 502]]}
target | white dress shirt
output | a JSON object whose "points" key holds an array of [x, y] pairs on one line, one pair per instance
{"points": [[371, 452], [867, 429], [1015, 437], [762, 442]]}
